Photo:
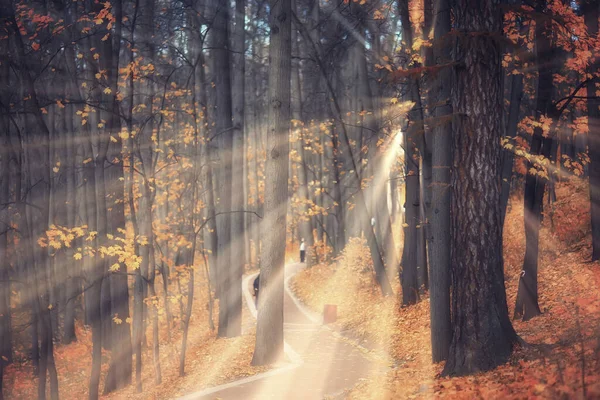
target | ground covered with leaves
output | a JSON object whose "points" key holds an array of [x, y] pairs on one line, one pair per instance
{"points": [[561, 358], [210, 360]]}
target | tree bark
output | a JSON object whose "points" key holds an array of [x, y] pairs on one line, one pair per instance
{"points": [[410, 271], [483, 336], [269, 329], [229, 313], [439, 224], [590, 11], [236, 268], [527, 295]]}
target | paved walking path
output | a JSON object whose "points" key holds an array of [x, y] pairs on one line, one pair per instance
{"points": [[323, 364]]}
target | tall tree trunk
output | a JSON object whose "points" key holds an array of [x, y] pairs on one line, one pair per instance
{"points": [[441, 145], [426, 152], [483, 336], [5, 314], [229, 316], [527, 295], [409, 277], [590, 10], [71, 197], [41, 170], [120, 368], [236, 268], [516, 94], [269, 329], [5, 289]]}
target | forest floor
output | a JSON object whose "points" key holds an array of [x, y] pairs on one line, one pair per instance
{"points": [[210, 360], [562, 359]]}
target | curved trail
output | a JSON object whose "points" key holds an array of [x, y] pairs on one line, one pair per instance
{"points": [[322, 363]]}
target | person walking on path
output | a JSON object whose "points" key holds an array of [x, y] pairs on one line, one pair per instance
{"points": [[256, 285], [302, 251]]}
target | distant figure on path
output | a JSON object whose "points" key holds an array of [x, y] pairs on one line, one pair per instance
{"points": [[256, 285], [302, 251]]}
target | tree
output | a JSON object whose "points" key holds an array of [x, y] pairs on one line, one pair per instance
{"points": [[269, 330], [237, 219], [439, 224], [590, 12], [541, 144], [483, 336], [229, 315], [409, 263], [344, 146]]}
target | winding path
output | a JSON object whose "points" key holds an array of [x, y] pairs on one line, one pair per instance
{"points": [[322, 363]]}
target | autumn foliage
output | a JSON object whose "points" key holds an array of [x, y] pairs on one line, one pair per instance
{"points": [[559, 357]]}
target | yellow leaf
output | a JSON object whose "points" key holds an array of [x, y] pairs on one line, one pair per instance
{"points": [[98, 75], [100, 125], [55, 169], [115, 267], [50, 306], [96, 56], [87, 160], [112, 139], [98, 21], [80, 55], [394, 101], [77, 256], [60, 104], [107, 91], [105, 37], [117, 320], [128, 320]]}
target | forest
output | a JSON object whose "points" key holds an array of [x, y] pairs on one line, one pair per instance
{"points": [[299, 199]]}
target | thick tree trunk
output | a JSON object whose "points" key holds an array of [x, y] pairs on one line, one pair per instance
{"points": [[483, 336], [439, 224], [269, 329]]}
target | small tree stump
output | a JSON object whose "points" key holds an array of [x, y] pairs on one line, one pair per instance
{"points": [[329, 313]]}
